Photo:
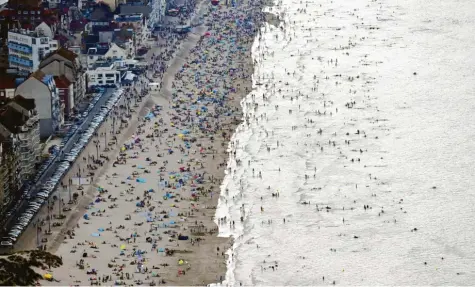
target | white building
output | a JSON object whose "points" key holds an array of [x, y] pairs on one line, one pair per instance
{"points": [[113, 52], [26, 49], [158, 12], [139, 24], [104, 73]]}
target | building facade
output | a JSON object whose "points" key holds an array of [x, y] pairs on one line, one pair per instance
{"points": [[26, 49], [10, 171], [65, 63], [103, 74], [112, 52], [66, 94], [138, 23], [20, 147], [18, 116], [42, 88]]}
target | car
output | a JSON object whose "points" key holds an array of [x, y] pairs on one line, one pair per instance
{"points": [[6, 243]]}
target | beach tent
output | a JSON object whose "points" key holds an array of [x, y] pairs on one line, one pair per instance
{"points": [[86, 216], [140, 180], [95, 235]]}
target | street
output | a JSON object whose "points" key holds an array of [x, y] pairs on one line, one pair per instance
{"points": [[54, 165]]}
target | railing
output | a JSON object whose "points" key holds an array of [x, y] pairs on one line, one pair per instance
{"points": [[19, 47], [19, 61]]}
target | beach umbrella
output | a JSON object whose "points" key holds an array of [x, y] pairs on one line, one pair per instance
{"points": [[48, 276], [122, 247]]}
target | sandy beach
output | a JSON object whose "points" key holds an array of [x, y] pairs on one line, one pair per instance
{"points": [[148, 217]]}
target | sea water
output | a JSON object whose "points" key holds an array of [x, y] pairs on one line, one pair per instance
{"points": [[366, 132]]}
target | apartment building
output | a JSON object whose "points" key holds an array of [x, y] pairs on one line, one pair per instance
{"points": [[104, 73], [27, 48], [42, 88], [64, 64], [138, 23], [18, 116]]}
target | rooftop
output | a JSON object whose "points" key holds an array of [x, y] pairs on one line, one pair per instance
{"points": [[62, 82], [65, 53], [127, 9], [27, 104], [97, 51], [42, 77], [7, 81], [12, 119]]}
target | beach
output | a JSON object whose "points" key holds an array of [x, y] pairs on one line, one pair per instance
{"points": [[148, 217]]}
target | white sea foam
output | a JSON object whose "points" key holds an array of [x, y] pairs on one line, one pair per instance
{"points": [[408, 67]]}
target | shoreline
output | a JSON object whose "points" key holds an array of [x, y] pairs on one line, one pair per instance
{"points": [[203, 253]]}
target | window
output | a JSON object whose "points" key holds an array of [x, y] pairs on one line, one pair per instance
{"points": [[33, 41], [110, 75], [100, 82], [100, 76], [110, 82]]}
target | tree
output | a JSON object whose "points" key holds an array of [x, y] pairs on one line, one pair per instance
{"points": [[16, 269]]}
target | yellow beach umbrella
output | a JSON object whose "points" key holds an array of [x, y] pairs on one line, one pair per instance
{"points": [[122, 247], [48, 276]]}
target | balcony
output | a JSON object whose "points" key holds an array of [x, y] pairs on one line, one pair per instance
{"points": [[24, 141], [19, 61], [20, 47]]}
